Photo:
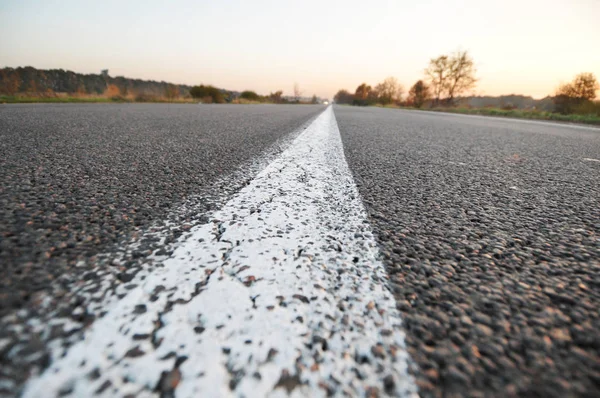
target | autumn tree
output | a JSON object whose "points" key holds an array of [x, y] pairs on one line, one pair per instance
{"points": [[571, 95], [584, 87], [418, 94], [363, 94]]}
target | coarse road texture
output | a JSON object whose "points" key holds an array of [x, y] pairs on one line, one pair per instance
{"points": [[490, 233], [77, 181], [488, 228], [279, 292]]}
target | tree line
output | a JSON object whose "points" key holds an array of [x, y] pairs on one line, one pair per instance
{"points": [[449, 76], [34, 82], [39, 82]]}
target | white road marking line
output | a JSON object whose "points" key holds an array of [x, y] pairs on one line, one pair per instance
{"points": [[280, 293], [591, 160]]}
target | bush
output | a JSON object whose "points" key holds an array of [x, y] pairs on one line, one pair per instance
{"points": [[250, 95], [202, 92], [143, 97], [587, 108]]}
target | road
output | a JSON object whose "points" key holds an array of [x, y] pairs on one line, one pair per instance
{"points": [[484, 230], [489, 229]]}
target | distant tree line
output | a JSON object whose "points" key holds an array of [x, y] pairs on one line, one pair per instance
{"points": [[32, 82], [210, 94], [448, 77], [46, 82]]}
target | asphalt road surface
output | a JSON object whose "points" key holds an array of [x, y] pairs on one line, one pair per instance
{"points": [[487, 230], [490, 231], [79, 182]]}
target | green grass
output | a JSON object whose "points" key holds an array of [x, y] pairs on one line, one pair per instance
{"points": [[523, 114]]}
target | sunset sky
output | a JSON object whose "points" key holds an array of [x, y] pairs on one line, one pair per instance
{"points": [[526, 46]]}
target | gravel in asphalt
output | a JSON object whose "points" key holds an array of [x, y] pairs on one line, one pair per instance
{"points": [[79, 181], [490, 232]]}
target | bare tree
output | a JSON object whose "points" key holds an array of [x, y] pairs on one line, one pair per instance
{"points": [[297, 92], [389, 91], [437, 72], [451, 75], [461, 74]]}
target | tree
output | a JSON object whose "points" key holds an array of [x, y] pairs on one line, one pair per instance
{"points": [[276, 97], [389, 91], [461, 74], [451, 75], [572, 95], [314, 99], [343, 97], [437, 72], [584, 86], [297, 92], [362, 94], [418, 94]]}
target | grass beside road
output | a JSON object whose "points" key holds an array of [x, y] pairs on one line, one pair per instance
{"points": [[523, 114], [509, 113]]}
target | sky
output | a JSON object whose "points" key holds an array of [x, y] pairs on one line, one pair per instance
{"points": [[519, 46]]}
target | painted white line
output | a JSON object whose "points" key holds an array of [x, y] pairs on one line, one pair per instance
{"points": [[591, 160], [281, 293]]}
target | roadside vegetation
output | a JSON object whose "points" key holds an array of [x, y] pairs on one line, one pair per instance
{"points": [[28, 84], [448, 77]]}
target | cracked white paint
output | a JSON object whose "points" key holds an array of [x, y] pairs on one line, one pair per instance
{"points": [[280, 292]]}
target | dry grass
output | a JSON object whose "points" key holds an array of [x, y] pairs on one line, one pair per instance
{"points": [[245, 101], [110, 95]]}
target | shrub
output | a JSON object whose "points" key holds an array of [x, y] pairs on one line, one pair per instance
{"points": [[202, 92], [144, 97], [250, 95], [112, 90]]}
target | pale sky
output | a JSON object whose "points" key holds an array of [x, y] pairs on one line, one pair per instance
{"points": [[519, 46]]}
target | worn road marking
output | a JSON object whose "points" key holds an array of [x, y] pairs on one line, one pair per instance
{"points": [[591, 160], [280, 293]]}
